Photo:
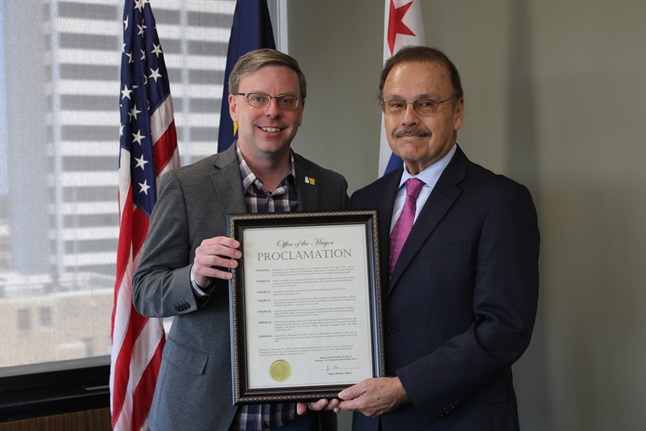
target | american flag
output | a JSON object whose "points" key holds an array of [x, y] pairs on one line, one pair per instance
{"points": [[148, 148]]}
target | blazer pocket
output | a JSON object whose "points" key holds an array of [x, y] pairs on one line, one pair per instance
{"points": [[184, 357]]}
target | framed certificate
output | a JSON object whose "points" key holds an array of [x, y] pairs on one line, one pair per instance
{"points": [[305, 305]]}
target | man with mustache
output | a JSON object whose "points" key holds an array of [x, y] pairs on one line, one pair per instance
{"points": [[460, 285], [184, 269]]}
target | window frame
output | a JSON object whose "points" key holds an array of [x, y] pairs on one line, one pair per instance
{"points": [[36, 390], [51, 388]]}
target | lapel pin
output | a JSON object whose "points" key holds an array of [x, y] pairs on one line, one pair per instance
{"points": [[310, 181]]}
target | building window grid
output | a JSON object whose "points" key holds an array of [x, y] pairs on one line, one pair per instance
{"points": [[187, 55], [82, 82]]}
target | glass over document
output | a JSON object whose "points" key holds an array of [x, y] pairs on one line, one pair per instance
{"points": [[305, 305]]}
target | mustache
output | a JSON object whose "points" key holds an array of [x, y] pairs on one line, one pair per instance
{"points": [[412, 131]]}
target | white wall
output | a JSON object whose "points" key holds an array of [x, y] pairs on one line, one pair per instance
{"points": [[555, 98]]}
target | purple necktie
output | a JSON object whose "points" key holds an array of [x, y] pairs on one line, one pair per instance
{"points": [[404, 222]]}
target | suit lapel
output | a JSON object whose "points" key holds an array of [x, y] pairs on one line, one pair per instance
{"points": [[227, 182], [442, 198], [308, 187]]}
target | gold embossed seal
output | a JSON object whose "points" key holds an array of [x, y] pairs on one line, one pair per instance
{"points": [[280, 370]]}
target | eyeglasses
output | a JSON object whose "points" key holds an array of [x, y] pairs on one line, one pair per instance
{"points": [[262, 100], [424, 107]]}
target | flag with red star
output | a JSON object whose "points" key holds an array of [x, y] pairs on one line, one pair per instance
{"points": [[402, 26]]}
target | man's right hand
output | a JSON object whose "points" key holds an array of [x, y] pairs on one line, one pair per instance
{"points": [[323, 404], [213, 259]]}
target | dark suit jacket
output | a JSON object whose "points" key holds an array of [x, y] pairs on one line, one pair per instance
{"points": [[194, 386], [460, 307]]}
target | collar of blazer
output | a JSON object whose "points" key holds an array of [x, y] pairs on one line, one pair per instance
{"points": [[227, 182], [307, 184]]}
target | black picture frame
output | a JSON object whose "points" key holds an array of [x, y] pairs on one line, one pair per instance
{"points": [[240, 228]]}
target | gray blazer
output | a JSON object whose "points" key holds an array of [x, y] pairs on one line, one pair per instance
{"points": [[194, 386]]}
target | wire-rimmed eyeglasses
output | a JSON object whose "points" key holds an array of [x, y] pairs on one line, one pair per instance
{"points": [[262, 100], [424, 107]]}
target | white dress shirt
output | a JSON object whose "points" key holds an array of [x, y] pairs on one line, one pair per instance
{"points": [[430, 176]]}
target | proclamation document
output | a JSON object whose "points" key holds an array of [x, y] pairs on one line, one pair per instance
{"points": [[307, 306]]}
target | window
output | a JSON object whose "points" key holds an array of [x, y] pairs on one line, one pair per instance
{"points": [[59, 147], [24, 319], [45, 317]]}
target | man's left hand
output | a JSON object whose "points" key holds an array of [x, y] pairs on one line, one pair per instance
{"points": [[374, 397]]}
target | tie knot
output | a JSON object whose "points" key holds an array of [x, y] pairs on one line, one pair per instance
{"points": [[413, 187]]}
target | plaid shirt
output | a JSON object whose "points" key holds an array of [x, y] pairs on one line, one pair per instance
{"points": [[260, 417], [259, 200]]}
